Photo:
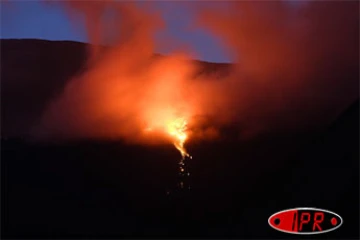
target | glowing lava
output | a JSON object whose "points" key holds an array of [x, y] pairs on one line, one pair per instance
{"points": [[177, 129]]}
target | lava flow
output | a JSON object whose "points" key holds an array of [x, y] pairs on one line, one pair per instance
{"points": [[177, 129]]}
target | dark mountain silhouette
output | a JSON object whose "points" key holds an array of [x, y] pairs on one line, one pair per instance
{"points": [[103, 189], [43, 68]]}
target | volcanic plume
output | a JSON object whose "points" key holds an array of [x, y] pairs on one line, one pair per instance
{"points": [[293, 67], [126, 91]]}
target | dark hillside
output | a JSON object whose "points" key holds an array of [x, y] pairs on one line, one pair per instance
{"points": [[103, 189], [44, 67]]}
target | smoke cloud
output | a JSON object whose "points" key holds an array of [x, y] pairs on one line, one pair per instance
{"points": [[293, 67]]}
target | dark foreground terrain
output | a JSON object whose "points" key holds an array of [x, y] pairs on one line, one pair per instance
{"points": [[110, 189]]}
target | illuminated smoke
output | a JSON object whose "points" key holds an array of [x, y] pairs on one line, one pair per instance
{"points": [[294, 67], [297, 66]]}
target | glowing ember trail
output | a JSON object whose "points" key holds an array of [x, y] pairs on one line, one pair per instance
{"points": [[177, 129]]}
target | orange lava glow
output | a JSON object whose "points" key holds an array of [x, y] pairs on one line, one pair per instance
{"points": [[177, 129]]}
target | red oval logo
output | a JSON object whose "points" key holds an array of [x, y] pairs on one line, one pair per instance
{"points": [[305, 221]]}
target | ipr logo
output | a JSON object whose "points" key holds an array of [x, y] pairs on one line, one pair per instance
{"points": [[305, 221]]}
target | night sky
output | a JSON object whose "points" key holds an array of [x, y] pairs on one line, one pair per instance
{"points": [[33, 19]]}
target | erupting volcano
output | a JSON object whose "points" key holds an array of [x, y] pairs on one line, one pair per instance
{"points": [[256, 91]]}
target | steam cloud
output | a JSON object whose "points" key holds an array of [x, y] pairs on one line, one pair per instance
{"points": [[293, 66]]}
